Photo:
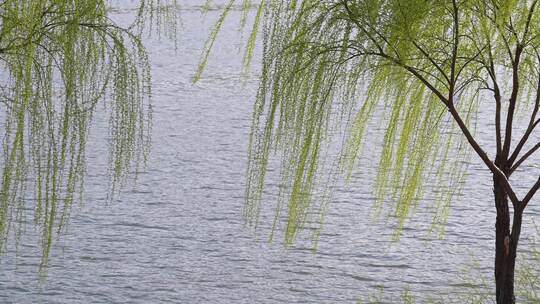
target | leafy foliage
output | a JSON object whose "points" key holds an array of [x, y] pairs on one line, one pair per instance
{"points": [[60, 60], [425, 65]]}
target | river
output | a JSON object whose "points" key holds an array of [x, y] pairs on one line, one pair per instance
{"points": [[176, 234]]}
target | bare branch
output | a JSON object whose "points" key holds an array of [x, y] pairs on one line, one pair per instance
{"points": [[513, 100], [455, 14], [532, 124], [524, 157], [530, 194], [483, 155]]}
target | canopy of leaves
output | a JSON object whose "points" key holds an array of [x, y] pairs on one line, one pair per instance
{"points": [[422, 65], [59, 60]]}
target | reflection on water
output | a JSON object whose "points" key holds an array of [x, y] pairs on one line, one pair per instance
{"points": [[178, 236]]}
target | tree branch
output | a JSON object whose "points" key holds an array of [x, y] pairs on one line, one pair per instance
{"points": [[528, 22], [448, 102], [453, 63], [438, 67], [532, 124], [513, 100], [524, 157], [530, 194], [494, 169]]}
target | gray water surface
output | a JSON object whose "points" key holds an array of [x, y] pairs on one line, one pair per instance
{"points": [[177, 234]]}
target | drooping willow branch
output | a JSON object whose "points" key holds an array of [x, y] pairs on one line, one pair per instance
{"points": [[403, 61], [61, 58]]}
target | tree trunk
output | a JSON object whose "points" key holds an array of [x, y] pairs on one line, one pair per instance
{"points": [[505, 246]]}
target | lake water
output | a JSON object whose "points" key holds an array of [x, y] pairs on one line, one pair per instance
{"points": [[177, 235]]}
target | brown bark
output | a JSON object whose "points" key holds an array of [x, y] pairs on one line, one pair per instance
{"points": [[506, 242]]}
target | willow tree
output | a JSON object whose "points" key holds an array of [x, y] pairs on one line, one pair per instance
{"points": [[59, 60], [429, 66]]}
